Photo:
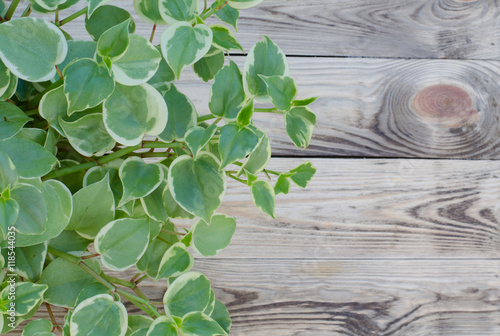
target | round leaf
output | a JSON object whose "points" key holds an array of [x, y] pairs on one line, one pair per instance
{"points": [[114, 42], [139, 63], [106, 17], [31, 48], [133, 111], [28, 296], [12, 119], [99, 315], [236, 143], [259, 158], [224, 39], [30, 159], [197, 138], [300, 122], [181, 116], [263, 196], [172, 11], [163, 326], [227, 95], [265, 58], [88, 135], [197, 185], [282, 90], [175, 261], [149, 11], [122, 242], [207, 67], [32, 218], [86, 84], [199, 324], [53, 105], [39, 327], [139, 179], [188, 293], [183, 45], [221, 316], [208, 240]]}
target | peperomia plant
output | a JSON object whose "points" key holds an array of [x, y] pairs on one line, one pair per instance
{"points": [[79, 196]]}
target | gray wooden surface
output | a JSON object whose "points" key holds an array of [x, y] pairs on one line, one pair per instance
{"points": [[402, 243]]}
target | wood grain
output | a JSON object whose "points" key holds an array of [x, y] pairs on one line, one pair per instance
{"points": [[374, 209], [351, 297], [377, 28], [388, 108]]}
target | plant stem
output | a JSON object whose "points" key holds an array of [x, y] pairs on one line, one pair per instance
{"points": [[59, 73], [268, 110], [57, 16], [73, 16], [163, 240], [27, 11], [236, 178], [121, 282], [52, 317], [141, 279], [206, 117], [11, 10], [152, 34], [217, 7], [138, 301], [109, 158]]}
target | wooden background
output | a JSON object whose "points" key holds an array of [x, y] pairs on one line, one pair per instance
{"points": [[398, 233]]}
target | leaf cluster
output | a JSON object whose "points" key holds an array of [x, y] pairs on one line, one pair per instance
{"points": [[102, 157]]}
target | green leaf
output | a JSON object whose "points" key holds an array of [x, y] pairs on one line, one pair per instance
{"points": [[53, 105], [172, 11], [228, 15], [32, 217], [245, 115], [31, 48], [30, 260], [263, 197], [188, 293], [11, 89], [93, 208], [136, 322], [4, 78], [267, 59], [225, 39], [104, 18], [173, 208], [27, 296], [153, 203], [139, 63], [175, 262], [197, 185], [9, 211], [221, 316], [49, 5], [12, 119], [149, 11], [69, 241], [65, 281], [59, 210], [183, 45], [139, 179], [227, 96], [243, 4], [236, 143], [208, 240], [30, 159], [197, 137], [259, 158], [150, 260], [304, 102], [282, 90], [122, 242], [114, 42], [39, 327], [134, 111], [181, 116], [199, 324], [303, 174], [91, 290], [88, 135], [86, 84], [8, 172], [282, 185], [163, 326], [99, 315], [300, 122], [164, 76], [94, 4], [207, 67]]}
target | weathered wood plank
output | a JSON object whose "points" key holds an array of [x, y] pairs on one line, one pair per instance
{"points": [[375, 209], [388, 108], [377, 28], [352, 297]]}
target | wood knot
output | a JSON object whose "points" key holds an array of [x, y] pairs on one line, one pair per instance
{"points": [[447, 105]]}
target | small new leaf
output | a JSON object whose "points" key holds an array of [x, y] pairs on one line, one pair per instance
{"points": [[113, 43], [263, 197]]}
